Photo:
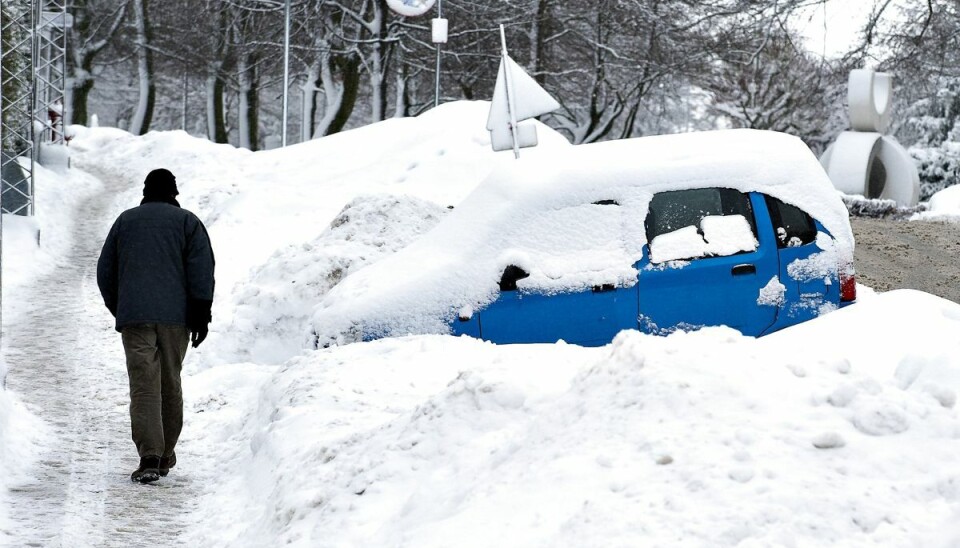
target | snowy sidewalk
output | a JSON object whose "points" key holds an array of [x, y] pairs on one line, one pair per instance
{"points": [[66, 364]]}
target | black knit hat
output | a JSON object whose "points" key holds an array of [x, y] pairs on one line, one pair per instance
{"points": [[160, 183]]}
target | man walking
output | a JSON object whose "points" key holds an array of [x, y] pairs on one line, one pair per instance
{"points": [[156, 276]]}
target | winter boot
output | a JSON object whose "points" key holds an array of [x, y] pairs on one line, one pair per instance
{"points": [[166, 463], [148, 471]]}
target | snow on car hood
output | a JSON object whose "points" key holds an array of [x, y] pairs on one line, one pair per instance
{"points": [[572, 217]]}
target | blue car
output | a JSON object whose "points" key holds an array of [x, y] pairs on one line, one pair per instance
{"points": [[684, 292], [636, 234]]}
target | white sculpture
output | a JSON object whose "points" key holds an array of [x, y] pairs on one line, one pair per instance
{"points": [[863, 161]]}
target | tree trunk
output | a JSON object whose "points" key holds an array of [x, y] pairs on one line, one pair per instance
{"points": [[340, 98], [536, 40], [249, 104], [216, 125], [378, 62], [140, 122], [78, 91], [82, 48], [402, 106], [308, 114]]}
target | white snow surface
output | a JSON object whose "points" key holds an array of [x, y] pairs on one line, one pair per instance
{"points": [[840, 431], [540, 214], [706, 438], [944, 206]]}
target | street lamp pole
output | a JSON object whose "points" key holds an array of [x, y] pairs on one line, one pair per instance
{"points": [[436, 93], [286, 68]]}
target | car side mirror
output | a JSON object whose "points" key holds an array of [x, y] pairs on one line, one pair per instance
{"points": [[511, 275]]}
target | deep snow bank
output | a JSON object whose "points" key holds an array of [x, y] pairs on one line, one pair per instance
{"points": [[807, 437]]}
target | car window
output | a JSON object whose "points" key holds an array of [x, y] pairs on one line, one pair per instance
{"points": [[556, 257], [793, 226], [708, 222]]}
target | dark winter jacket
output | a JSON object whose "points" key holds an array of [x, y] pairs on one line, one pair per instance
{"points": [[156, 262]]}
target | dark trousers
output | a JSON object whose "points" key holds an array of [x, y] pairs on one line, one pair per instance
{"points": [[154, 358]]}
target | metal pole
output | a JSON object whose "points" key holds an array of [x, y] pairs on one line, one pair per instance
{"points": [[3, 378], [286, 68], [183, 107], [508, 88], [436, 93], [34, 138]]}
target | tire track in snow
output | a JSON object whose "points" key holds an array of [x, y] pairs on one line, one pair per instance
{"points": [[67, 365]]}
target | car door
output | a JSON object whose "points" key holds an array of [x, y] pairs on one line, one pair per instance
{"points": [[809, 289], [592, 316], [586, 318], [706, 263]]}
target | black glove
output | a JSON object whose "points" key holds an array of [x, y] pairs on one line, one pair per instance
{"points": [[198, 316], [197, 336]]}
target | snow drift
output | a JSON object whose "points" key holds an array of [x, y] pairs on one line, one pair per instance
{"points": [[705, 438]]}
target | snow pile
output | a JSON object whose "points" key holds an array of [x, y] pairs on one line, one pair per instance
{"points": [[546, 215], [699, 438], [943, 206], [21, 434], [32, 246], [272, 308]]}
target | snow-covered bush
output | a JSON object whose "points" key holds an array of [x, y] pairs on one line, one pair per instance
{"points": [[858, 206], [932, 126], [939, 167]]}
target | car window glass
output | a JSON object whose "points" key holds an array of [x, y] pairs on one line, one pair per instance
{"points": [[709, 222], [569, 247], [793, 226]]}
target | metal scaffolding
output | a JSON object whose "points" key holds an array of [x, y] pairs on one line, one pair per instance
{"points": [[33, 75]]}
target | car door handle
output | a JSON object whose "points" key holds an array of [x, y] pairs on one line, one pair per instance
{"points": [[604, 288], [743, 269]]}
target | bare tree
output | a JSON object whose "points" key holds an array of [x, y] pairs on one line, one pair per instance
{"points": [[142, 116], [774, 84], [89, 35], [332, 81]]}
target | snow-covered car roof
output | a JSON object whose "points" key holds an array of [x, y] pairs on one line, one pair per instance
{"points": [[573, 218]]}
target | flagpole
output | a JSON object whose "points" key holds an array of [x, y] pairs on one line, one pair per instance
{"points": [[508, 87]]}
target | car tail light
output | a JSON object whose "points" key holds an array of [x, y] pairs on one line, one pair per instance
{"points": [[848, 284]]}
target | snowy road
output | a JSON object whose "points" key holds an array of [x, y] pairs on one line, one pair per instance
{"points": [[66, 363]]}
